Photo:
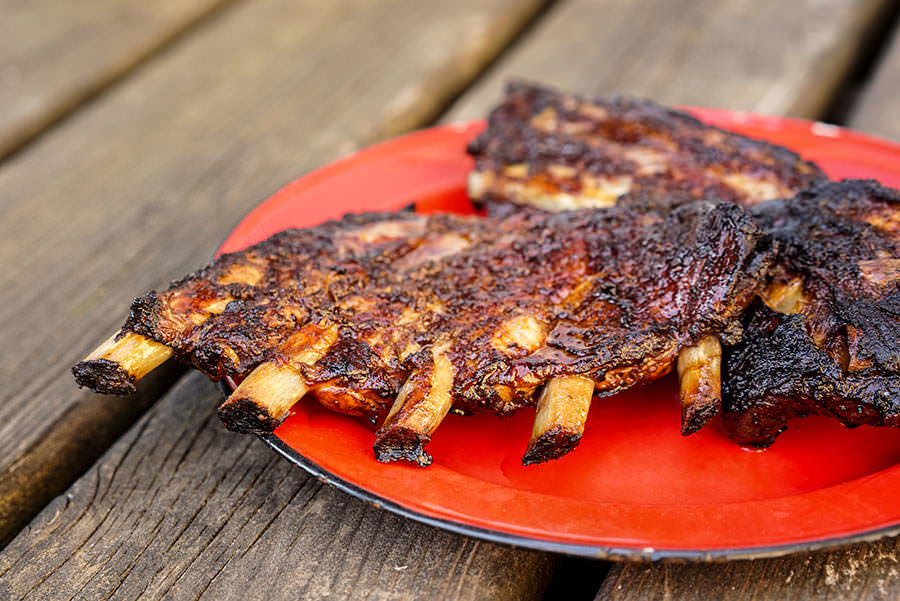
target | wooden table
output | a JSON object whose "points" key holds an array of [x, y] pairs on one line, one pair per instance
{"points": [[133, 136]]}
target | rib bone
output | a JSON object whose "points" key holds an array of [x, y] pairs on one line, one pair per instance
{"points": [[700, 377], [262, 401], [562, 411], [421, 405], [118, 363], [784, 296]]}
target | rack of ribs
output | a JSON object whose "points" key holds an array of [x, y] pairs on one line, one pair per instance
{"points": [[558, 151], [824, 341], [402, 318], [827, 343]]}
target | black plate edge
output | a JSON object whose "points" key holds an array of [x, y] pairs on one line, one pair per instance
{"points": [[647, 554]]}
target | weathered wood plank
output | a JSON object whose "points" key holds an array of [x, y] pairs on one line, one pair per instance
{"points": [[79, 438], [862, 572], [770, 56], [877, 110], [55, 54], [181, 507], [138, 187]]}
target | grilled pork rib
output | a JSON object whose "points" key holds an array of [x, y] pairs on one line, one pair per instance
{"points": [[412, 316], [835, 353], [558, 152], [833, 347]]}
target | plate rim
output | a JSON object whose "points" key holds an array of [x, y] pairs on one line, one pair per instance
{"points": [[590, 550], [599, 552]]}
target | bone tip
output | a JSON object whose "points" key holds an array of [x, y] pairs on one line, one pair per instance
{"points": [[247, 417], [402, 444], [552, 444], [695, 418], [104, 376]]}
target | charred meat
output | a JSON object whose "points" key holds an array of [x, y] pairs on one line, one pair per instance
{"points": [[830, 346], [824, 341], [402, 318], [559, 151]]}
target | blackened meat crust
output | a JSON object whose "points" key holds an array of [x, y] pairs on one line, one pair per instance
{"points": [[232, 314], [104, 375], [558, 151], [514, 301], [838, 355], [555, 443]]}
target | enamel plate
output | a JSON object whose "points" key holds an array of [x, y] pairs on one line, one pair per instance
{"points": [[634, 488]]}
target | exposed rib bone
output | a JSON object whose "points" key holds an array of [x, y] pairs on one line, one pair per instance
{"points": [[784, 297], [116, 365], [562, 411], [421, 405], [262, 401], [700, 376]]}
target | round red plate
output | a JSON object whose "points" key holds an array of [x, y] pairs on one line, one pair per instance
{"points": [[635, 487]]}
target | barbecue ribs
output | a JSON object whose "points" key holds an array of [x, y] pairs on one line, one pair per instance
{"points": [[837, 270], [401, 318], [832, 346], [557, 152]]}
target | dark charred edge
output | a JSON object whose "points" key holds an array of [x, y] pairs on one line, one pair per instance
{"points": [[402, 444], [104, 376], [552, 444], [775, 374], [695, 417], [143, 317], [247, 417]]}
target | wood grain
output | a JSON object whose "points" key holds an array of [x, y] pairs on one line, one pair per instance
{"points": [[877, 110], [181, 507], [69, 448], [869, 572], [768, 56], [140, 186], [55, 54]]}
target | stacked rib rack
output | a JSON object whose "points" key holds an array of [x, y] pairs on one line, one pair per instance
{"points": [[402, 318], [823, 337]]}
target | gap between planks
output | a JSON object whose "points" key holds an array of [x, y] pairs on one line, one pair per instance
{"points": [[104, 45]]}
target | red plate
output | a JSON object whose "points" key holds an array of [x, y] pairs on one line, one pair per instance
{"points": [[635, 487]]}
